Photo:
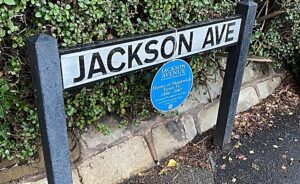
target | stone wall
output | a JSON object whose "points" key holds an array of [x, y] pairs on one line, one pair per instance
{"points": [[127, 151]]}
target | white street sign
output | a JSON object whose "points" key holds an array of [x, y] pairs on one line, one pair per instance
{"points": [[84, 65]]}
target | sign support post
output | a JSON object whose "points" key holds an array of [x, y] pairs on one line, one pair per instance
{"points": [[47, 83], [235, 66]]}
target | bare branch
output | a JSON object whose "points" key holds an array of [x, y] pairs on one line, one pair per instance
{"points": [[271, 15]]}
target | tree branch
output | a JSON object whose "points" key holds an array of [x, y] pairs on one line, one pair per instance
{"points": [[271, 15]]}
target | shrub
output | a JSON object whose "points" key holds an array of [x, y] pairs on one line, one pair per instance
{"points": [[84, 22], [277, 34]]}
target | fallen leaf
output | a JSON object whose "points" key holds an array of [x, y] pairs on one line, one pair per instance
{"points": [[164, 171], [255, 166], [223, 166], [283, 167], [237, 145], [275, 146], [233, 180], [241, 157], [237, 136], [180, 158], [291, 161], [172, 163], [280, 139]]}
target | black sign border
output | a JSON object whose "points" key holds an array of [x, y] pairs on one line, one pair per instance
{"points": [[106, 43]]}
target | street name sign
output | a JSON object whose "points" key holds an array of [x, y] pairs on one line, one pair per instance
{"points": [[93, 63]]}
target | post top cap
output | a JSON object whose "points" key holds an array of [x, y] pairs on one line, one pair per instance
{"points": [[41, 38]]}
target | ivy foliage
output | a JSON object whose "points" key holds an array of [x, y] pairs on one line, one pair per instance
{"points": [[277, 34], [86, 21]]}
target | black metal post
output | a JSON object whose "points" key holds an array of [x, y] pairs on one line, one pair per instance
{"points": [[236, 61], [47, 82]]}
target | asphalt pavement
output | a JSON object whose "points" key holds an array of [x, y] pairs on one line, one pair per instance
{"points": [[269, 156]]}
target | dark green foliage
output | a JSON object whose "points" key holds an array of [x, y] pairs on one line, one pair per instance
{"points": [[279, 36], [88, 21], [94, 20]]}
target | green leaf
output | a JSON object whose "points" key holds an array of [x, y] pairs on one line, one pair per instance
{"points": [[38, 14], [1, 112], [47, 17], [2, 33], [10, 2], [4, 88]]}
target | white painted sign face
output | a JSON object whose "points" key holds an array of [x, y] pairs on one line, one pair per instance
{"points": [[122, 56]]}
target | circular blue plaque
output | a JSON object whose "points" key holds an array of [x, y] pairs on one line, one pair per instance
{"points": [[171, 85]]}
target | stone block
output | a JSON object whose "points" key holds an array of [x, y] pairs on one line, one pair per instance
{"points": [[93, 142], [207, 118], [168, 138], [75, 177], [198, 95], [189, 127], [248, 98], [201, 95], [254, 71], [214, 85], [267, 87], [116, 163]]}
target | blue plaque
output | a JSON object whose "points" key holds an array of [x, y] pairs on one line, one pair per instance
{"points": [[171, 85]]}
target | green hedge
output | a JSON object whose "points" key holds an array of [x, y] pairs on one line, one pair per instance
{"points": [[279, 35], [89, 20], [84, 22]]}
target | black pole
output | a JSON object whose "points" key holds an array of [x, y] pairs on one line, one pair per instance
{"points": [[236, 61], [47, 82]]}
